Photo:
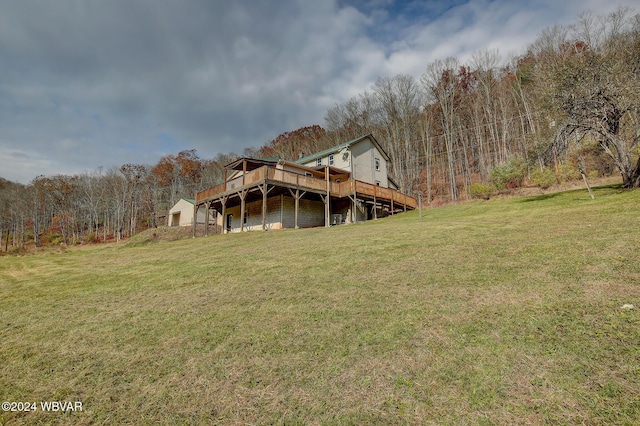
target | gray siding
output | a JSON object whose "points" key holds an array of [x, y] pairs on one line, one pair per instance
{"points": [[310, 213], [364, 158], [280, 214]]}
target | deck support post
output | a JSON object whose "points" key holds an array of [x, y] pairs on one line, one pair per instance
{"points": [[355, 202], [242, 194], [223, 201], [195, 218], [327, 201], [296, 196], [264, 188], [375, 207], [206, 218], [264, 207], [296, 209]]}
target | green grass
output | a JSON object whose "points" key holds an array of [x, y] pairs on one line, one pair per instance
{"points": [[498, 312]]}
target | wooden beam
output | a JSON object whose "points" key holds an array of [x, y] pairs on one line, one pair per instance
{"points": [[195, 218], [264, 188], [327, 204], [206, 219], [296, 196], [242, 194], [375, 207], [223, 201]]}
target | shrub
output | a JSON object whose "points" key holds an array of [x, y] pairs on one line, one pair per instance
{"points": [[543, 178], [480, 190], [568, 172], [53, 239], [510, 174]]}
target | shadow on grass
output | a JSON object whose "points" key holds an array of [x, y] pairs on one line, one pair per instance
{"points": [[598, 190]]}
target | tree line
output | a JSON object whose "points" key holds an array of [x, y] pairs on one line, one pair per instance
{"points": [[568, 106]]}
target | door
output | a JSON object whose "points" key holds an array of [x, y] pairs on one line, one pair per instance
{"points": [[229, 219]]}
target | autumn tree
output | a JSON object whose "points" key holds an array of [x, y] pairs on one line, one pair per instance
{"points": [[290, 145]]}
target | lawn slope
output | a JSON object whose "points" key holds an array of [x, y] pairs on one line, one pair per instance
{"points": [[498, 312]]}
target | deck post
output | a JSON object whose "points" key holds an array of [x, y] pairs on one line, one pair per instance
{"points": [[206, 219], [375, 205], [297, 207], [243, 195], [195, 218], [327, 207], [296, 196], [223, 200], [355, 202], [264, 206]]}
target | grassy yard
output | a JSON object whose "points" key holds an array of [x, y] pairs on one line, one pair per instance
{"points": [[498, 312]]}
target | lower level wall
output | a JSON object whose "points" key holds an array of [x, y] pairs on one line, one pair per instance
{"points": [[310, 213], [280, 214]]}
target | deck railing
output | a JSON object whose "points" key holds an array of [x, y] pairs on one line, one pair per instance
{"points": [[337, 189]]}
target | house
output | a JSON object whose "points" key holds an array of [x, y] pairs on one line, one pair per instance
{"points": [[344, 184], [181, 214], [363, 158]]}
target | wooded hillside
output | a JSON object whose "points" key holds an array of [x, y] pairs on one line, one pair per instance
{"points": [[568, 106]]}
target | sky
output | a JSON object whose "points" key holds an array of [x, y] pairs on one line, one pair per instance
{"points": [[86, 85]]}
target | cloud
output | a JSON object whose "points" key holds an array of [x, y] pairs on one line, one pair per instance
{"points": [[90, 83]]}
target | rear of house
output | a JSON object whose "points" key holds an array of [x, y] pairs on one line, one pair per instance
{"points": [[344, 184]]}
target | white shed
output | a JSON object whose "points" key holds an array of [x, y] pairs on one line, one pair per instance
{"points": [[181, 214]]}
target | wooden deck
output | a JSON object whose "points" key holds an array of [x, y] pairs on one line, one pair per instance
{"points": [[277, 177]]}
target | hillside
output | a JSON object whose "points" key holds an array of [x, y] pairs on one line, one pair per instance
{"points": [[498, 312]]}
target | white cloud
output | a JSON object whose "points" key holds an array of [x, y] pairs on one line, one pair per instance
{"points": [[89, 84]]}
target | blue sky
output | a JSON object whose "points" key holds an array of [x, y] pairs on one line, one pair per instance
{"points": [[91, 83]]}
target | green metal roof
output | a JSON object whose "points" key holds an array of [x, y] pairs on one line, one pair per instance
{"points": [[337, 148], [328, 151], [191, 200]]}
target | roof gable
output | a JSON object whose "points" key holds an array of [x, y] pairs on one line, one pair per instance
{"points": [[340, 147]]}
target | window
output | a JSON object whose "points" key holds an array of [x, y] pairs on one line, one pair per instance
{"points": [[331, 160], [246, 217], [319, 162], [377, 164]]}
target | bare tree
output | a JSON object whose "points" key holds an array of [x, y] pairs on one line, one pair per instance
{"points": [[400, 100], [596, 88], [441, 85]]}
